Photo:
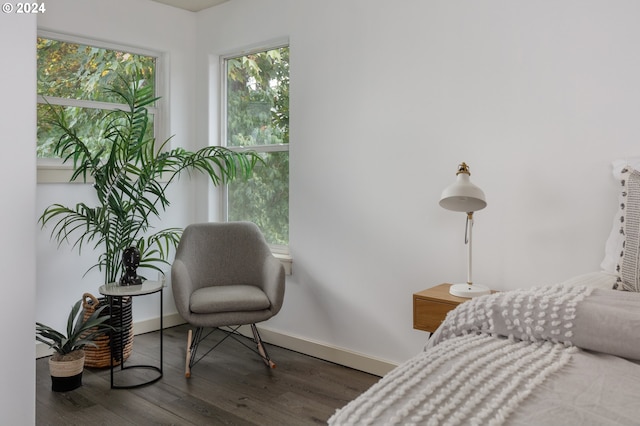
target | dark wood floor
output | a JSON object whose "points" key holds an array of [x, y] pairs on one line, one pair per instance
{"points": [[231, 386]]}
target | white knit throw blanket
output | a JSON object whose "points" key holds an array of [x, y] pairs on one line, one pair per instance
{"points": [[467, 375]]}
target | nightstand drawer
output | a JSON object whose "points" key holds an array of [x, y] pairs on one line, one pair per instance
{"points": [[429, 314], [431, 306]]}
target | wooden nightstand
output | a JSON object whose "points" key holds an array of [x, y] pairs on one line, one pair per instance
{"points": [[430, 307]]}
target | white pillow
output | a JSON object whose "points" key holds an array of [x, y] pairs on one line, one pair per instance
{"points": [[615, 242], [629, 279]]}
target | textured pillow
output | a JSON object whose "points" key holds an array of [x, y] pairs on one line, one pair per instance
{"points": [[628, 267], [615, 241]]}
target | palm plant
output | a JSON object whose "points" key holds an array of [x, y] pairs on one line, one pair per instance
{"points": [[80, 332], [130, 174]]}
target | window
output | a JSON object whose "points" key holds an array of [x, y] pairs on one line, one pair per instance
{"points": [[256, 110], [73, 75]]}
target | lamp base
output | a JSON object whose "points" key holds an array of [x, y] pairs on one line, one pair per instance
{"points": [[469, 290]]}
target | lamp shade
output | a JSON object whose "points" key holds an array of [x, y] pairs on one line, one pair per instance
{"points": [[462, 195]]}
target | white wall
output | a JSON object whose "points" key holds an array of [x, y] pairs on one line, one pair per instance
{"points": [[388, 97], [143, 24], [17, 215]]}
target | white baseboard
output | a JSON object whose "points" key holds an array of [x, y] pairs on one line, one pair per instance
{"points": [[42, 350], [303, 345], [153, 324], [324, 351]]}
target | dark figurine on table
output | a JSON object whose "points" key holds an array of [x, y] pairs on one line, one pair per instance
{"points": [[130, 260]]}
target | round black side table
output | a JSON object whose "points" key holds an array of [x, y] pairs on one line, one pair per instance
{"points": [[115, 293]]}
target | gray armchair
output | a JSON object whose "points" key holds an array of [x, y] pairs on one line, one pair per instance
{"points": [[225, 276]]}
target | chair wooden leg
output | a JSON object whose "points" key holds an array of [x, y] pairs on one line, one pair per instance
{"points": [[187, 369], [261, 349]]}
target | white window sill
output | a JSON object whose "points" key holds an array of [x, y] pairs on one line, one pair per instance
{"points": [[53, 171], [287, 262]]}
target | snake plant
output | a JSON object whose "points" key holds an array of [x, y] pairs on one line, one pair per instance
{"points": [[80, 331]]}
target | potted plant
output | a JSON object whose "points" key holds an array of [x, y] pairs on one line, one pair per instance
{"points": [[130, 175], [67, 362]]}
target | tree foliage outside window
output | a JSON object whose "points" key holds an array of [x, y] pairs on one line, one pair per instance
{"points": [[257, 116], [73, 77]]}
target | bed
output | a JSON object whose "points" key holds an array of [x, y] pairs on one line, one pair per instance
{"points": [[559, 354]]}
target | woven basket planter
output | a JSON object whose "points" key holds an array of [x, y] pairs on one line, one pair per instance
{"points": [[99, 357], [66, 375]]}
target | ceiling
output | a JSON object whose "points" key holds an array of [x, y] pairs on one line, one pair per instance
{"points": [[192, 5]]}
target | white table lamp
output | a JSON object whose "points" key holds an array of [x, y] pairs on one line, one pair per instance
{"points": [[463, 196]]}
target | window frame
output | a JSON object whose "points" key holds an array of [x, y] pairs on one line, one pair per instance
{"points": [[281, 251], [53, 170]]}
